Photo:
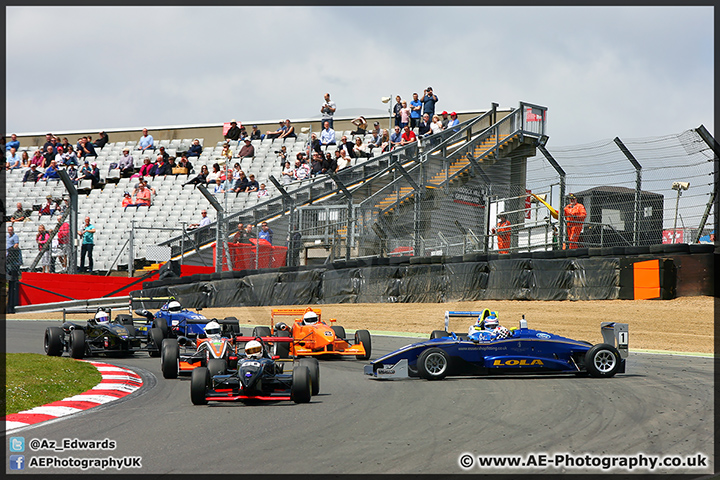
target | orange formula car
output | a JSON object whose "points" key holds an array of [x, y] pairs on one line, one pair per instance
{"points": [[215, 348], [312, 336]]}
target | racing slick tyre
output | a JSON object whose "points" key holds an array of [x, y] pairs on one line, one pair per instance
{"points": [[156, 338], [433, 364], [282, 349], [339, 331], [439, 334], [301, 390], [314, 368], [261, 332], [363, 337], [53, 341], [169, 358], [77, 343], [602, 361], [217, 366], [161, 323], [199, 385]]}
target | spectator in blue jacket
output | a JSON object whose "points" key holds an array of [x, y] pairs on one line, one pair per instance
{"points": [[195, 150]]}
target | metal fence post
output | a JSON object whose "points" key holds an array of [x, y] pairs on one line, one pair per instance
{"points": [[131, 250], [72, 246], [638, 187], [219, 238], [542, 141]]}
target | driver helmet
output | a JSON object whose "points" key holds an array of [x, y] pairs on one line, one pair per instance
{"points": [[102, 316], [174, 306], [310, 318], [253, 349], [212, 329], [491, 323]]}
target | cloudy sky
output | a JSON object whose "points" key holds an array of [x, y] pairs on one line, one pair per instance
{"points": [[602, 72]]}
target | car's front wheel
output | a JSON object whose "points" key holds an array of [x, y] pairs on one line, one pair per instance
{"points": [[77, 343], [156, 339], [53, 341], [170, 356], [314, 370], [363, 337], [199, 385], [433, 364], [301, 390]]}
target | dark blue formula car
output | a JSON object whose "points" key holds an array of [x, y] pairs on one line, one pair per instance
{"points": [[524, 351]]}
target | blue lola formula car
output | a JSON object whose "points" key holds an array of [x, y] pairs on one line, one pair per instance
{"points": [[177, 321], [524, 351]]}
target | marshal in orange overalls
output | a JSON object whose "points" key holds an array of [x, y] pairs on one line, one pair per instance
{"points": [[575, 214]]}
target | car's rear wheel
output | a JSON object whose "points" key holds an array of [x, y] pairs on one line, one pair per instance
{"points": [[170, 357], [602, 361], [433, 364], [156, 340], [314, 368], [339, 331], [261, 332], [439, 334], [77, 343], [217, 366], [282, 349], [53, 341], [199, 385], [301, 390], [363, 337]]}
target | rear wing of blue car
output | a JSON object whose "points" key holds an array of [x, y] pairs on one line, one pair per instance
{"points": [[617, 335], [451, 314]]}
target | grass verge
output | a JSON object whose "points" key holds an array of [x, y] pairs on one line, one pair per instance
{"points": [[32, 380]]}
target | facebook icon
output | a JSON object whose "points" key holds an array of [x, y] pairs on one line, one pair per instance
{"points": [[17, 462]]}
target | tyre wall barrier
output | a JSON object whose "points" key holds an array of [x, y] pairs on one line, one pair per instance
{"points": [[474, 277]]}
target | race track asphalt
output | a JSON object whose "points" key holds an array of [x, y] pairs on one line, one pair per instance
{"points": [[662, 406]]}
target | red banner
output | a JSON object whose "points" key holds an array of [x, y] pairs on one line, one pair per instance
{"points": [[528, 204], [667, 236]]}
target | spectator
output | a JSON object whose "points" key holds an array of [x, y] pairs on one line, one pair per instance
{"points": [[275, 134], [127, 201], [327, 136], [37, 158], [165, 155], [233, 132], [262, 191], [185, 163], [195, 149], [13, 143], [236, 169], [302, 170], [87, 149], [229, 185], [316, 165], [248, 231], [42, 238], [404, 114], [396, 138], [328, 164], [289, 131], [360, 124], [69, 157], [436, 125], [282, 155], [376, 129], [359, 149], [47, 208], [453, 120], [204, 221], [215, 174], [347, 147], [239, 235], [396, 111], [247, 150], [328, 110], [201, 178], [313, 145], [218, 188], [143, 197], [48, 141], [146, 169], [408, 136], [72, 173], [52, 172], [63, 241], [375, 142], [424, 128], [252, 184], [59, 155], [255, 134], [13, 160], [226, 154], [87, 232], [13, 254], [172, 166], [24, 159], [265, 233], [341, 160], [20, 215], [126, 163], [32, 174], [95, 172], [429, 100], [146, 141], [288, 174], [161, 167], [65, 144], [445, 120], [102, 140], [415, 111], [48, 156]]}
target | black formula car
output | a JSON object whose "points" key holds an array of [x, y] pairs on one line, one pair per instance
{"points": [[119, 336], [256, 379]]}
